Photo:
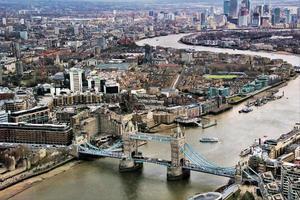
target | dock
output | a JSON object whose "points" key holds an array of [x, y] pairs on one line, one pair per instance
{"points": [[207, 123]]}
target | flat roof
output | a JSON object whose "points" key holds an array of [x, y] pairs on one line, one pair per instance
{"points": [[34, 109], [46, 127]]}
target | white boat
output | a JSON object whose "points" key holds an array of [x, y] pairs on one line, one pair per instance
{"points": [[245, 152], [209, 140], [246, 110]]}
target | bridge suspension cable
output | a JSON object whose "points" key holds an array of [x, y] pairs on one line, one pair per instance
{"points": [[197, 158]]}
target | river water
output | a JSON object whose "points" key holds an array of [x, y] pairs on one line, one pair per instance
{"points": [[100, 179]]}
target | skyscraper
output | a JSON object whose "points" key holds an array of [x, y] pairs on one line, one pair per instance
{"points": [[4, 21], [226, 7], [24, 35], [203, 19], [256, 19], [247, 4], [76, 79], [277, 15], [19, 68], [1, 74], [287, 15], [148, 54], [243, 17], [233, 11], [17, 54], [266, 10]]}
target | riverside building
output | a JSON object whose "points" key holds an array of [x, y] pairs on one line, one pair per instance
{"points": [[35, 133]]}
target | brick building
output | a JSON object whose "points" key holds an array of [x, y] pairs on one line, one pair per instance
{"points": [[36, 115], [36, 133]]}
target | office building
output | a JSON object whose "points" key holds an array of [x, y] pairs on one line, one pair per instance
{"points": [[276, 16], [4, 21], [3, 116], [111, 87], [266, 11], [15, 105], [36, 115], [243, 17], [76, 29], [77, 98], [1, 74], [287, 16], [247, 4], [24, 35], [19, 68], [35, 133], [226, 7], [76, 79], [233, 11], [203, 19], [94, 83], [256, 19], [102, 43], [290, 181]]}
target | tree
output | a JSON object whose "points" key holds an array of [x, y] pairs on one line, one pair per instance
{"points": [[248, 196]]}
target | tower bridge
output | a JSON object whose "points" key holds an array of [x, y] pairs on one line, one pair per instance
{"points": [[183, 157]]}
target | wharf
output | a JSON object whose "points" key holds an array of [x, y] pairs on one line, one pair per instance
{"points": [[207, 123], [221, 109], [188, 121], [234, 102]]}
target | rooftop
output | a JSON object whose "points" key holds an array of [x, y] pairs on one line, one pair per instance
{"points": [[46, 127]]}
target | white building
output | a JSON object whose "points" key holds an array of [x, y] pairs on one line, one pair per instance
{"points": [[297, 153], [56, 30], [4, 21], [76, 79], [24, 35], [243, 21]]}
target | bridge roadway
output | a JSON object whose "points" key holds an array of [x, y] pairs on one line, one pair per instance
{"points": [[194, 162], [207, 170], [151, 137], [90, 150]]}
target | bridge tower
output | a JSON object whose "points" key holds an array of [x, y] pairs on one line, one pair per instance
{"points": [[176, 170], [130, 148]]}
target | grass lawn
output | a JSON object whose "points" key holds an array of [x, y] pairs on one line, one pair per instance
{"points": [[234, 99], [220, 76]]}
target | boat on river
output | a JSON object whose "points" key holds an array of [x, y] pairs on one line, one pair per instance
{"points": [[209, 140], [245, 152], [207, 196], [246, 110]]}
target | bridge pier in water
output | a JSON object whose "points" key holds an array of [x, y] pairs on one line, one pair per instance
{"points": [[127, 165], [130, 148], [176, 170]]}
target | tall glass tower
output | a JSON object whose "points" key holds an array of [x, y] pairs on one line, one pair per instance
{"points": [[226, 7]]}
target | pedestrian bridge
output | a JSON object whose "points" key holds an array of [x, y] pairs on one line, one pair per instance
{"points": [[183, 156]]}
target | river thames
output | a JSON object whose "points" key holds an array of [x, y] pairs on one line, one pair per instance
{"points": [[100, 179]]}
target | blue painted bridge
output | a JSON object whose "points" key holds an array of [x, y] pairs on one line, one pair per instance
{"points": [[193, 160]]}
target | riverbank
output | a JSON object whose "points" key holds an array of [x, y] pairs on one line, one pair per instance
{"points": [[254, 40], [237, 48], [172, 41], [27, 183], [234, 100]]}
